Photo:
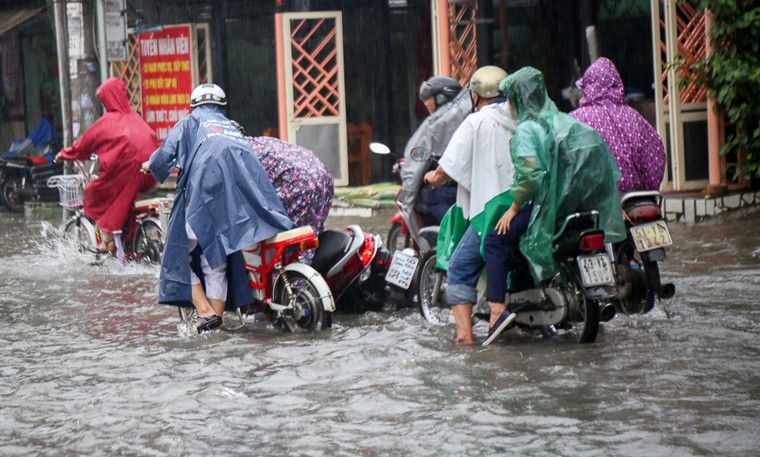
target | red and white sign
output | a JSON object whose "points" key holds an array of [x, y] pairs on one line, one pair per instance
{"points": [[167, 80]]}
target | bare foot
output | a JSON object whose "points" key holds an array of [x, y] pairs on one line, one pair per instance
{"points": [[464, 340]]}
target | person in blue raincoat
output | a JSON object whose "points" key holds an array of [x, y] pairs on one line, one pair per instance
{"points": [[224, 202]]}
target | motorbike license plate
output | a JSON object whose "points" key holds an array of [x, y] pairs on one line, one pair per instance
{"points": [[596, 270], [401, 271], [651, 236]]}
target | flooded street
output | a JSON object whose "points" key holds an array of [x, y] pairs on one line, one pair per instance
{"points": [[91, 365]]}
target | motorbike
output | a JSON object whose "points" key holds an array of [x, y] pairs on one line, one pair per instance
{"points": [[576, 299], [25, 168], [354, 264], [408, 238], [636, 258], [284, 290], [408, 229], [23, 179]]}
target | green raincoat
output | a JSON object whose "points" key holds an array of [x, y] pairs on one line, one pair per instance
{"points": [[562, 165]]}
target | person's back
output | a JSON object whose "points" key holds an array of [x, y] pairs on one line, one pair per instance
{"points": [[633, 142], [561, 165], [303, 183], [122, 140]]}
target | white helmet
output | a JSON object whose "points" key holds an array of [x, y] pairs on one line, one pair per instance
{"points": [[485, 81], [208, 93]]}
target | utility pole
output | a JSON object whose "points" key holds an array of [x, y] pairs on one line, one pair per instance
{"points": [[64, 86], [83, 65]]}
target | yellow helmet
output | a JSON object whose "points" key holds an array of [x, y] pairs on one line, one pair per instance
{"points": [[485, 81]]}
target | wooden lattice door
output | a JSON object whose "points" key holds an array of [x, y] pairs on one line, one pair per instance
{"points": [[312, 60]]}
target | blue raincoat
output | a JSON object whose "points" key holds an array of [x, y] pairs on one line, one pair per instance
{"points": [[225, 195]]}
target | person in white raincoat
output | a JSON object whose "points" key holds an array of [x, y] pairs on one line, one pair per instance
{"points": [[477, 159]]}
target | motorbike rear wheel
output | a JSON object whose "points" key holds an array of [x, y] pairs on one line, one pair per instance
{"points": [[397, 240], [641, 277], [589, 324], [11, 194], [147, 242], [303, 294], [81, 230], [427, 281]]}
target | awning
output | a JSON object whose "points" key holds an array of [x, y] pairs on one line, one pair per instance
{"points": [[11, 19]]}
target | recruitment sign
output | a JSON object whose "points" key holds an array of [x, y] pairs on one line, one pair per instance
{"points": [[166, 67]]}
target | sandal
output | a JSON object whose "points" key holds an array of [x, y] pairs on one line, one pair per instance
{"points": [[204, 324], [108, 247]]}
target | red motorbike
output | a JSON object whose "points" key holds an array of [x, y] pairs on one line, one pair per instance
{"points": [[354, 264]]}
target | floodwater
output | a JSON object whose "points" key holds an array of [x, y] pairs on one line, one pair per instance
{"points": [[91, 365]]}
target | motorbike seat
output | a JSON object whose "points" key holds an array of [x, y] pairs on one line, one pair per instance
{"points": [[332, 247], [290, 234]]}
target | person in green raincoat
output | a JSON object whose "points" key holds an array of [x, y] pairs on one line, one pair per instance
{"points": [[561, 166]]}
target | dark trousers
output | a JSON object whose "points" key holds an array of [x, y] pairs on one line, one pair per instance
{"points": [[498, 251]]}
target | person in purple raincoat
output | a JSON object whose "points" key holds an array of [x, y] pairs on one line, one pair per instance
{"points": [[633, 142], [301, 180]]}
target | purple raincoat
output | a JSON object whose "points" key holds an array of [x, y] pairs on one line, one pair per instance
{"points": [[633, 142]]}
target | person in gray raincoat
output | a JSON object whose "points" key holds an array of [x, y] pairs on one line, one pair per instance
{"points": [[448, 104], [223, 203]]}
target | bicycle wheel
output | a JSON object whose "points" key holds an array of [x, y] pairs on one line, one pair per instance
{"points": [[81, 231], [295, 289], [430, 283], [147, 243]]}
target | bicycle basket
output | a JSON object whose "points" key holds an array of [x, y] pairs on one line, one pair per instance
{"points": [[70, 190]]}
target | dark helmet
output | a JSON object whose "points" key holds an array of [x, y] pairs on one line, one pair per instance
{"points": [[442, 88]]}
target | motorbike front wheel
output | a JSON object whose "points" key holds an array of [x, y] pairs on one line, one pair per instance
{"points": [[296, 289], [147, 243], [430, 283], [80, 230], [11, 193]]}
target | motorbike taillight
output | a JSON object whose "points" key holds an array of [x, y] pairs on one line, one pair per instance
{"points": [[367, 250], [592, 242], [643, 212]]}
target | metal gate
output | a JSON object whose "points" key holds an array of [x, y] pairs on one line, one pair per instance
{"points": [[311, 82]]}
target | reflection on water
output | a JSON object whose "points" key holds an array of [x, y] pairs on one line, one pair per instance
{"points": [[92, 366]]}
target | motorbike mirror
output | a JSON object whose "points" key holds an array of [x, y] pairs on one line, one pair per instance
{"points": [[420, 154], [379, 148]]}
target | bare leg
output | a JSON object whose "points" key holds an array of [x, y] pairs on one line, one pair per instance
{"points": [[201, 303], [217, 305], [496, 310], [463, 323]]}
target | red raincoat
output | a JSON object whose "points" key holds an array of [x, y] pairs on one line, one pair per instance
{"points": [[123, 141]]}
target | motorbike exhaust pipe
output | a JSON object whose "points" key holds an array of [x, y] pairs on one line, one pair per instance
{"points": [[667, 290], [607, 312]]}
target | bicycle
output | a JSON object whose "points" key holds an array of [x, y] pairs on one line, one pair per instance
{"points": [[144, 231]]}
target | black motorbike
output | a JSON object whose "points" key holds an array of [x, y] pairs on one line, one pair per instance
{"points": [[575, 300], [637, 257], [23, 179]]}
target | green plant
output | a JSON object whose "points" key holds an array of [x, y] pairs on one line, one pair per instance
{"points": [[732, 74]]}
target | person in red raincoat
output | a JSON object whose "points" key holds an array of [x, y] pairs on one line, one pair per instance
{"points": [[122, 141]]}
